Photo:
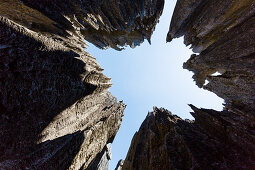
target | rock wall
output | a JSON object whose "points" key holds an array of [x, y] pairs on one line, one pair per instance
{"points": [[55, 108], [222, 32], [104, 23], [215, 140], [54, 104]]}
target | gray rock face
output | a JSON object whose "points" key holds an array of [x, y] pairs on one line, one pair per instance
{"points": [[56, 112], [223, 33], [101, 162], [215, 140], [104, 23], [202, 23]]}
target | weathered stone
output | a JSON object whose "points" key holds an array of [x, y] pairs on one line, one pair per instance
{"points": [[215, 140], [101, 162], [103, 23], [203, 22], [56, 112], [223, 33]]}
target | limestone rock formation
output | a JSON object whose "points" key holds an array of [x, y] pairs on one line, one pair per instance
{"points": [[104, 23], [55, 108], [215, 140], [222, 32]]}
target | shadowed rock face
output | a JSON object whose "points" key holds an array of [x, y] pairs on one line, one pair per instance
{"points": [[222, 32], [215, 140], [105, 23]]}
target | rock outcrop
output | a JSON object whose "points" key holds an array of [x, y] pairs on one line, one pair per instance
{"points": [[215, 140], [56, 111], [104, 23], [222, 32]]}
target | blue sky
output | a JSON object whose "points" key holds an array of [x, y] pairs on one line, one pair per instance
{"points": [[151, 75]]}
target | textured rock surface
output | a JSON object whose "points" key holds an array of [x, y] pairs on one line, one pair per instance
{"points": [[204, 22], [223, 33], [56, 112], [105, 23], [215, 140], [101, 162]]}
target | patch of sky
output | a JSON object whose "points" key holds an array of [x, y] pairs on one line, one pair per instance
{"points": [[151, 75]]}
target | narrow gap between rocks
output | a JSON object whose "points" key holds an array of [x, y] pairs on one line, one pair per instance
{"points": [[151, 75]]}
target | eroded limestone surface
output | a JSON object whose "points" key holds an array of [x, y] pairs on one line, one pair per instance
{"points": [[215, 140], [105, 23], [56, 111]]}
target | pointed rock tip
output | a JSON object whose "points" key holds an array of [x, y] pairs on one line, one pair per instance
{"points": [[169, 38], [193, 107]]}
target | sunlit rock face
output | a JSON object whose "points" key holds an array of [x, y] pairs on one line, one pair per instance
{"points": [[101, 162], [56, 111], [222, 32]]}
